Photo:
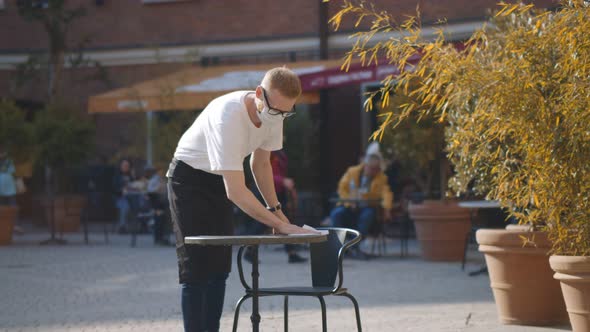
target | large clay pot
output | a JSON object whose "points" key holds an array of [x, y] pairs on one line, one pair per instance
{"points": [[521, 279], [573, 272], [8, 215], [441, 229]]}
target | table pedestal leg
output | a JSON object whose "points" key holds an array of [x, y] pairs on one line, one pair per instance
{"points": [[255, 318]]}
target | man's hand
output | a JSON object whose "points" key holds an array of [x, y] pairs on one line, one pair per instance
{"points": [[283, 218], [287, 229]]}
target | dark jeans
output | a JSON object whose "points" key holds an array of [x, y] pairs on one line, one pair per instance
{"points": [[202, 303], [199, 206], [359, 219]]}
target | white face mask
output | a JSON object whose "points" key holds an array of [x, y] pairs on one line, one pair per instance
{"points": [[269, 119]]}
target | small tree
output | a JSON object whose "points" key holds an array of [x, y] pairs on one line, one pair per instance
{"points": [[417, 147], [56, 19], [15, 132], [516, 100], [167, 132], [63, 141]]}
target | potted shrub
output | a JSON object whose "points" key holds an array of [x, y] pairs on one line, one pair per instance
{"points": [[417, 148], [534, 75], [63, 142], [441, 225], [515, 102], [15, 137]]}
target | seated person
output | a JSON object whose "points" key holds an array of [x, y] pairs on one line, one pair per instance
{"points": [[365, 181]]}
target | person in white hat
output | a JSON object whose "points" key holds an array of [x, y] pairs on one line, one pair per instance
{"points": [[363, 189]]}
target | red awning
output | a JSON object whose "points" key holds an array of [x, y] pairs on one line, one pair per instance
{"points": [[356, 74]]}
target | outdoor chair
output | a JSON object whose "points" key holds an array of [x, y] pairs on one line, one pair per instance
{"points": [[326, 267], [397, 227]]}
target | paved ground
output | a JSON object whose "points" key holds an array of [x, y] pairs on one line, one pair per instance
{"points": [[113, 287]]}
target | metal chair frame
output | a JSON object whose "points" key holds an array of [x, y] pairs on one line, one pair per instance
{"points": [[326, 266]]}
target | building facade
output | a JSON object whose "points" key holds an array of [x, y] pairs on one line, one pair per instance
{"points": [[126, 42]]}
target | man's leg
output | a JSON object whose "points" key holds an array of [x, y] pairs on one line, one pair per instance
{"points": [[193, 306], [123, 206], [214, 300], [341, 217], [202, 303], [365, 220]]}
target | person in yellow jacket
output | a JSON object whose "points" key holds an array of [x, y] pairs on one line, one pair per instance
{"points": [[368, 183]]}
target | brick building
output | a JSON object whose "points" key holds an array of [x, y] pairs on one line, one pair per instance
{"points": [[138, 40]]}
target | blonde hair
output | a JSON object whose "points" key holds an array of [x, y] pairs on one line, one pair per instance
{"points": [[284, 80]]}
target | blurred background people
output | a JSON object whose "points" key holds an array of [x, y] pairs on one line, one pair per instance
{"points": [[157, 194], [121, 184], [7, 180], [363, 189]]}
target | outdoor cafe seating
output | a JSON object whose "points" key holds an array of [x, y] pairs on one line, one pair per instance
{"points": [[326, 272]]}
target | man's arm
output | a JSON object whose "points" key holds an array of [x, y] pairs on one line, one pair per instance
{"points": [[238, 193], [262, 171]]}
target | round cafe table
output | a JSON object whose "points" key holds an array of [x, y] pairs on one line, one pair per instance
{"points": [[253, 241]]}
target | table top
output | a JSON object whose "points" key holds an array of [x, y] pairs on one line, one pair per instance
{"points": [[242, 240], [480, 204], [355, 200]]}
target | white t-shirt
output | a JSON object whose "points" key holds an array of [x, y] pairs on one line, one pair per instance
{"points": [[223, 135]]}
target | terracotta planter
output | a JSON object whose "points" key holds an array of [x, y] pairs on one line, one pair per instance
{"points": [[519, 228], [441, 229], [573, 272], [521, 279], [8, 215]]}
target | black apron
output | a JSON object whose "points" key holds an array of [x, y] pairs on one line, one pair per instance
{"points": [[199, 206]]}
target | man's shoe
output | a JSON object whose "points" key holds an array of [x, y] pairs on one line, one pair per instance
{"points": [[294, 258]]}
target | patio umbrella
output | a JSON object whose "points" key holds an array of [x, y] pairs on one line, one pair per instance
{"points": [[194, 87]]}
